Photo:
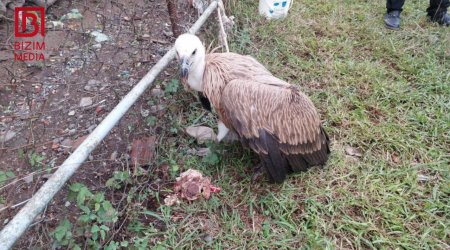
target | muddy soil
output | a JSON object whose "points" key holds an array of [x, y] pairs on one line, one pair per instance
{"points": [[48, 107]]}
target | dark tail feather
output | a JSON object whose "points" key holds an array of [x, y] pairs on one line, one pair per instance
{"points": [[327, 139], [204, 101], [319, 157], [297, 163], [274, 161]]}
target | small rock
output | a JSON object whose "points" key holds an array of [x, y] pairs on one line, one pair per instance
{"points": [[73, 14], [72, 113], [208, 239], [97, 46], [57, 140], [67, 204], [168, 33], [91, 128], [92, 85], [93, 82], [91, 158], [353, 151], [85, 101], [99, 36], [67, 143], [171, 200], [145, 112], [56, 24], [6, 136], [201, 133], [351, 159], [157, 92], [113, 156], [156, 108], [422, 177], [28, 179], [90, 88]]}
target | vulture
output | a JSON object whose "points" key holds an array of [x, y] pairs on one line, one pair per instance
{"points": [[272, 117]]}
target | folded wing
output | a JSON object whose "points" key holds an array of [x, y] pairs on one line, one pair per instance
{"points": [[278, 122]]}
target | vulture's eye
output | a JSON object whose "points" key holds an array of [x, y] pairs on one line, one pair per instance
{"points": [[195, 51]]}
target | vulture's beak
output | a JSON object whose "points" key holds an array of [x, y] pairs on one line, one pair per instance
{"points": [[184, 68]]}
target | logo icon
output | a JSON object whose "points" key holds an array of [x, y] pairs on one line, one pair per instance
{"points": [[29, 21], [21, 17]]}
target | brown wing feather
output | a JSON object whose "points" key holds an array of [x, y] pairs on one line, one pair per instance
{"points": [[221, 68], [278, 122], [277, 107]]}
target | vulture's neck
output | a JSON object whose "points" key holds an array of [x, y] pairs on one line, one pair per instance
{"points": [[215, 77], [196, 76]]}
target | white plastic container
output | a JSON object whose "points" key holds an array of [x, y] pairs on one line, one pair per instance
{"points": [[274, 9]]}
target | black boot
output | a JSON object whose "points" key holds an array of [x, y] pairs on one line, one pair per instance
{"points": [[392, 20], [442, 19]]}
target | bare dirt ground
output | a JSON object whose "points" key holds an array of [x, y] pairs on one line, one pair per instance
{"points": [[41, 105]]}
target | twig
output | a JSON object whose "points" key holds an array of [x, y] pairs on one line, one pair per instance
{"points": [[25, 146], [26, 176], [16, 205], [222, 29]]}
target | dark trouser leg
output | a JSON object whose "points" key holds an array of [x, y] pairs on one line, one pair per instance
{"points": [[392, 17], [395, 5], [438, 8]]}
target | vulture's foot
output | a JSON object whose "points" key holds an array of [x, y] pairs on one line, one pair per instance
{"points": [[258, 171]]}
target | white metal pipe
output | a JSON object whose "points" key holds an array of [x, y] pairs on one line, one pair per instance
{"points": [[17, 226]]}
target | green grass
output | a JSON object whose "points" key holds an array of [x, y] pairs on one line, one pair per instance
{"points": [[386, 93]]}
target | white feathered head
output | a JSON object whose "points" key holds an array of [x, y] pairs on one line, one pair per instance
{"points": [[191, 55]]}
